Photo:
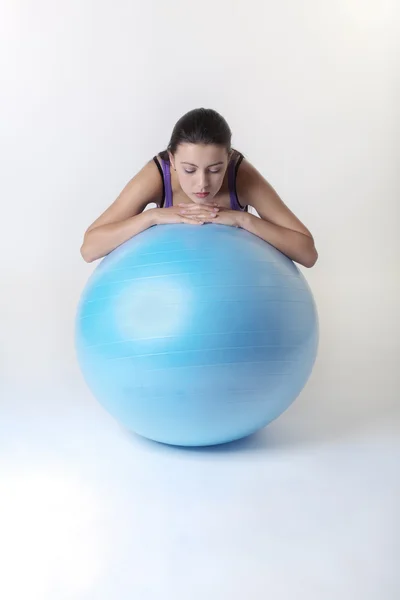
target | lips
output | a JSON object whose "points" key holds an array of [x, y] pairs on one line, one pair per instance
{"points": [[204, 195]]}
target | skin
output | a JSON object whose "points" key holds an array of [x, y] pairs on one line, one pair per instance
{"points": [[201, 168], [197, 168]]}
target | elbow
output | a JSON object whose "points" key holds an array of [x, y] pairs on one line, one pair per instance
{"points": [[86, 255], [310, 257], [87, 252]]}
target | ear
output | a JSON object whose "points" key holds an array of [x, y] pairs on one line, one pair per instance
{"points": [[171, 160]]}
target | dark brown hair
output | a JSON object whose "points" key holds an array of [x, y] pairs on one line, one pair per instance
{"points": [[200, 126]]}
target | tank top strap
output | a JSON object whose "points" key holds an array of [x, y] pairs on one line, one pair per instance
{"points": [[167, 183], [232, 173]]}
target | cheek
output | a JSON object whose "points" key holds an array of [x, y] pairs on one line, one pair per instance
{"points": [[186, 182], [216, 182]]}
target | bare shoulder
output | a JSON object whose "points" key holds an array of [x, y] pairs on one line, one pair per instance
{"points": [[144, 188], [254, 190]]}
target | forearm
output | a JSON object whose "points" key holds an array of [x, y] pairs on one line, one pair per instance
{"points": [[297, 246], [101, 240]]}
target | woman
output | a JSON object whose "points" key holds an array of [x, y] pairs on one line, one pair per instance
{"points": [[209, 183]]}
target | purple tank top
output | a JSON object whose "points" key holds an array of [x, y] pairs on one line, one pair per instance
{"points": [[232, 170]]}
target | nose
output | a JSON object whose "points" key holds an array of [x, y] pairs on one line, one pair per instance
{"points": [[202, 181]]}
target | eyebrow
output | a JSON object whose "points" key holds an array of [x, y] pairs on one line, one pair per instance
{"points": [[192, 165]]}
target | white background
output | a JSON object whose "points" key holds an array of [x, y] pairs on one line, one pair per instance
{"points": [[89, 92]]}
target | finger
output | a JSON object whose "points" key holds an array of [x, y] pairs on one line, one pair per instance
{"points": [[187, 204], [189, 208], [191, 217], [213, 219], [202, 216], [210, 207], [199, 210], [192, 221]]}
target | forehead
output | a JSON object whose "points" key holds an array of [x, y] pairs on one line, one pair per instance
{"points": [[200, 154]]}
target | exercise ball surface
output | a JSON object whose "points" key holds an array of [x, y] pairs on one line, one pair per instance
{"points": [[196, 335]]}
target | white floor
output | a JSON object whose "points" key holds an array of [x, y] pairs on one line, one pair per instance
{"points": [[305, 509], [308, 508]]}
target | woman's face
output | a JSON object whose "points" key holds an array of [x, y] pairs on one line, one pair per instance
{"points": [[200, 170]]}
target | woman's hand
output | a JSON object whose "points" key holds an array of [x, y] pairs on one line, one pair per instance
{"points": [[197, 214], [226, 216], [212, 213], [191, 214], [201, 213]]}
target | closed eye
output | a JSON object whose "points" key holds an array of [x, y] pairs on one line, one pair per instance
{"points": [[190, 172]]}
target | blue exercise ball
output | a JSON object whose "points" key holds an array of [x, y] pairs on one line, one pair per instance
{"points": [[196, 335]]}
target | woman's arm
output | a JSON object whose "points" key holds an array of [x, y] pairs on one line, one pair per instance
{"points": [[278, 225], [101, 240], [125, 217]]}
